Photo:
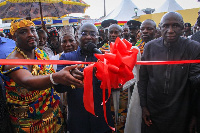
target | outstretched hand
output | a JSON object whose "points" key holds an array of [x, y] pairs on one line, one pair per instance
{"points": [[146, 116], [66, 78]]}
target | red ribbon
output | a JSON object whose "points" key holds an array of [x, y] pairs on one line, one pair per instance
{"points": [[41, 62], [68, 62]]}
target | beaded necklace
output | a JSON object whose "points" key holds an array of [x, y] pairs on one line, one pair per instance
{"points": [[21, 52]]}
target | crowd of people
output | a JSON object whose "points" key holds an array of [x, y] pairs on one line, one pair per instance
{"points": [[49, 98]]}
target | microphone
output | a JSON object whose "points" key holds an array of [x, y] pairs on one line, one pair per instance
{"points": [[91, 47]]}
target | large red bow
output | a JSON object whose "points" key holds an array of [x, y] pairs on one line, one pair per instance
{"points": [[114, 69]]}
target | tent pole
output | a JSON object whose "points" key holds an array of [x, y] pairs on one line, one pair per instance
{"points": [[104, 8]]}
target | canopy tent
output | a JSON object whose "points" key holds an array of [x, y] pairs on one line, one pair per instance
{"points": [[124, 12], [187, 17], [169, 6]]}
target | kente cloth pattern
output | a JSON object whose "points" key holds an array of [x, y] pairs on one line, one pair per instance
{"points": [[41, 112], [140, 44], [105, 47], [22, 23]]}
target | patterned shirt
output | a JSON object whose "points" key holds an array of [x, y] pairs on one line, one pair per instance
{"points": [[105, 47], [140, 44], [33, 111]]}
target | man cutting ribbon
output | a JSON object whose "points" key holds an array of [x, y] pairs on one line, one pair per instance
{"points": [[79, 119], [33, 103]]}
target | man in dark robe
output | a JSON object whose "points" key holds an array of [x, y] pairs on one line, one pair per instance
{"points": [[165, 90], [79, 119]]}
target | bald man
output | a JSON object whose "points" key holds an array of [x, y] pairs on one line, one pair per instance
{"points": [[165, 90], [80, 120]]}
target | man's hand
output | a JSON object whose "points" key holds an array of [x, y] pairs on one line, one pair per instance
{"points": [[76, 73], [146, 116], [64, 77]]}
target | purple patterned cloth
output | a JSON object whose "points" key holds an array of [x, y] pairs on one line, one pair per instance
{"points": [[32, 9]]}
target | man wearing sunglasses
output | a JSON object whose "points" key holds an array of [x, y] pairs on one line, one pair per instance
{"points": [[79, 120]]}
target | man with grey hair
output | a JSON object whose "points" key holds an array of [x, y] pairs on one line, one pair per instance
{"points": [[165, 90], [79, 119]]}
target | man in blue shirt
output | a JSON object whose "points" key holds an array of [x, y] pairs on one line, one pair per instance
{"points": [[79, 120], [6, 47]]}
